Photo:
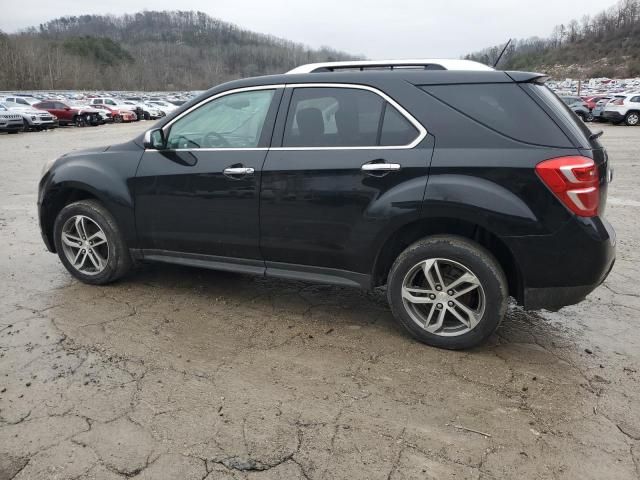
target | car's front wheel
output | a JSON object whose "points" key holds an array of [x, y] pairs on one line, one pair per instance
{"points": [[448, 292], [90, 244]]}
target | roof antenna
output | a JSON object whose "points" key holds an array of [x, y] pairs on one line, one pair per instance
{"points": [[501, 54]]}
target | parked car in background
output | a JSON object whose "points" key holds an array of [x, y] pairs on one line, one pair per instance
{"points": [[70, 114], [118, 115], [592, 100], [9, 121], [149, 112], [579, 107], [20, 100], [624, 108], [166, 107], [32, 118], [598, 110], [119, 106]]}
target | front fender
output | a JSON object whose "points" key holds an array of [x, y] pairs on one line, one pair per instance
{"points": [[104, 175]]}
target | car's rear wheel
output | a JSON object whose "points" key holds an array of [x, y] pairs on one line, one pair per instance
{"points": [[590, 117], [448, 292], [632, 119], [90, 244], [117, 119], [80, 121]]}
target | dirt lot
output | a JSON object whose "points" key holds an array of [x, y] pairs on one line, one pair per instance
{"points": [[180, 373]]}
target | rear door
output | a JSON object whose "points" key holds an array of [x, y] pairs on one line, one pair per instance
{"points": [[350, 163], [199, 195]]}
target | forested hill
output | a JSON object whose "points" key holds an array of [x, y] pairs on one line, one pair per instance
{"points": [[150, 50], [605, 45]]}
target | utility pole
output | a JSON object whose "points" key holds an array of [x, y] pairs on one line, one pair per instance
{"points": [[579, 86]]}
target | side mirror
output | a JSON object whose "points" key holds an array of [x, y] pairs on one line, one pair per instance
{"points": [[154, 139]]}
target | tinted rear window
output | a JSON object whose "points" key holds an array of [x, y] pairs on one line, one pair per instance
{"points": [[578, 130], [505, 108]]}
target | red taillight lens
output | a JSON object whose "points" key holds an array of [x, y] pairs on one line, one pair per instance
{"points": [[574, 180]]}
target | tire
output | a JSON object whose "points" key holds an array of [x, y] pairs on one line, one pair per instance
{"points": [[79, 121], [147, 116], [455, 257], [117, 119], [632, 119], [116, 260], [26, 126], [590, 117]]}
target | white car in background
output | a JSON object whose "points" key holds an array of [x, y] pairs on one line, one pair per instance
{"points": [[32, 118], [166, 107], [623, 108], [150, 112]]}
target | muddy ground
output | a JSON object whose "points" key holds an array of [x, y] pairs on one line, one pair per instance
{"points": [[178, 373]]}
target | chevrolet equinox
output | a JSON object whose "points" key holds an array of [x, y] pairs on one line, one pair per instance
{"points": [[455, 185]]}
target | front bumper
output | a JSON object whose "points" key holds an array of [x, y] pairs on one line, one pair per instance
{"points": [[561, 269]]}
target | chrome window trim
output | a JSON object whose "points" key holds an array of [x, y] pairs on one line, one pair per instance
{"points": [[167, 127], [422, 132]]}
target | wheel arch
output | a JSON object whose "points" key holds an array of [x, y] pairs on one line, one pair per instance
{"points": [[407, 234]]}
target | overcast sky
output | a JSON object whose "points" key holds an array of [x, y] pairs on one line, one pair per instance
{"points": [[375, 28]]}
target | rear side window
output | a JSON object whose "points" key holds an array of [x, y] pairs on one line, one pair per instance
{"points": [[344, 117], [636, 99], [503, 107]]}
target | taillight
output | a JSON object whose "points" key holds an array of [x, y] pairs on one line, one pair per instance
{"points": [[574, 180], [617, 101]]}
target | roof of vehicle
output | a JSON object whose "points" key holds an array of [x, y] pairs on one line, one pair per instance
{"points": [[424, 64]]}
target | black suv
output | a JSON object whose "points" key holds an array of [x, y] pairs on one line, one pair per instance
{"points": [[455, 188]]}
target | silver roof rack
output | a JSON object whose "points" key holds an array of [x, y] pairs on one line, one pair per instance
{"points": [[424, 64]]}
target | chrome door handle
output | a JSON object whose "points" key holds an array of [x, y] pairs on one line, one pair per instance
{"points": [[238, 171], [380, 167]]}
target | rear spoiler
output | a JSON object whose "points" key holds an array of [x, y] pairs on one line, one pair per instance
{"points": [[528, 77]]}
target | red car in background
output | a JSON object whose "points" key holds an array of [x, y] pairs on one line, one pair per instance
{"points": [[117, 114], [591, 101], [70, 114]]}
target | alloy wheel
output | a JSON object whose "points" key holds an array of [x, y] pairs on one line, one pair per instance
{"points": [[633, 119], [443, 297], [85, 245]]}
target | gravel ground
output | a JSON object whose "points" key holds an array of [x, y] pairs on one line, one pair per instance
{"points": [[181, 373]]}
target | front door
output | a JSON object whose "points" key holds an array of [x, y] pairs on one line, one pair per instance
{"points": [[200, 194], [352, 164]]}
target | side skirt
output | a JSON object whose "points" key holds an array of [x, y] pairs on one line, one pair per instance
{"points": [[304, 273]]}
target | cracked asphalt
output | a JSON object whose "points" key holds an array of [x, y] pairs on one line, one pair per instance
{"points": [[178, 373]]}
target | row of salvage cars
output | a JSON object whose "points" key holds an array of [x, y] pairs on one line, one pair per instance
{"points": [[615, 108], [23, 113]]}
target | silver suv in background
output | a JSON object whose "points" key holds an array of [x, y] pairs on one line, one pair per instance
{"points": [[10, 122], [623, 108], [32, 118]]}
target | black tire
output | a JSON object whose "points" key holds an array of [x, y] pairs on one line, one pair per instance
{"points": [[117, 119], [147, 116], [118, 260], [26, 126], [632, 119], [79, 121], [476, 259], [590, 117]]}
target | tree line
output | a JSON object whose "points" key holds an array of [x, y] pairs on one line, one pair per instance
{"points": [[150, 50], [603, 45]]}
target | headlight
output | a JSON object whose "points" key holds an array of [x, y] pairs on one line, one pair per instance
{"points": [[47, 166]]}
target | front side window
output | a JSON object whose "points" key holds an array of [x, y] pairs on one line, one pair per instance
{"points": [[231, 121], [344, 117]]}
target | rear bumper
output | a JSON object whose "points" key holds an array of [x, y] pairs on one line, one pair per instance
{"points": [[563, 268]]}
